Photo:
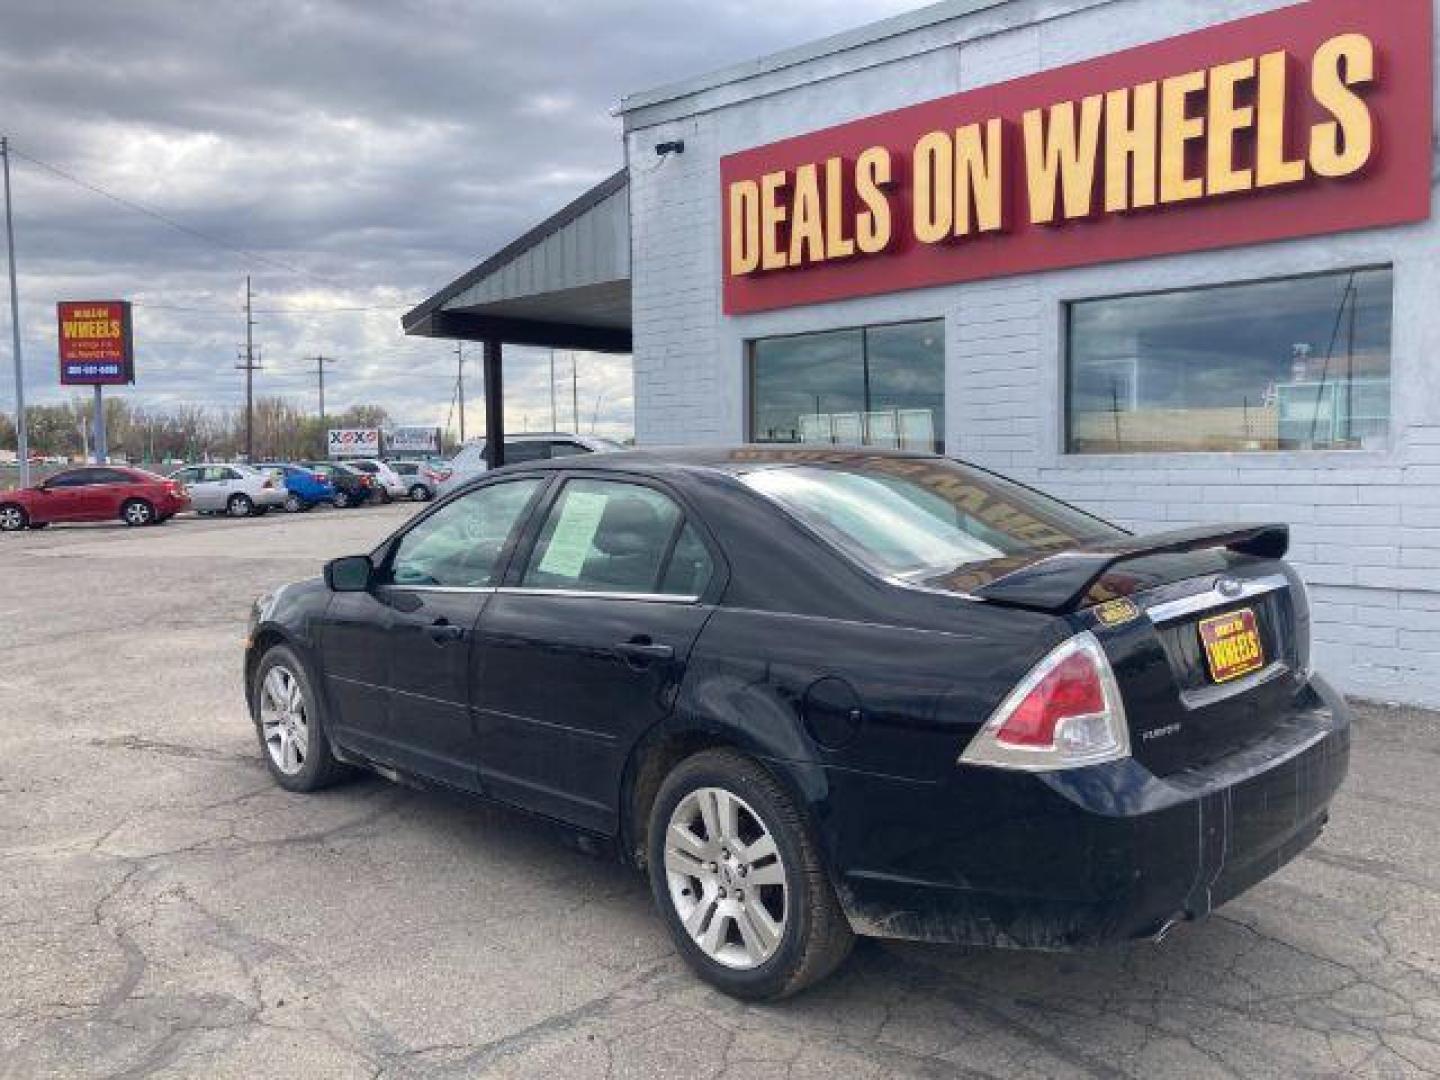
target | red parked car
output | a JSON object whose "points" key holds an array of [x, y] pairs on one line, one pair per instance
{"points": [[93, 493]]}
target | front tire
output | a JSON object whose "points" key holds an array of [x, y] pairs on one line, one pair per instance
{"points": [[294, 504], [341, 500], [290, 724], [137, 512], [736, 873], [13, 518], [240, 506], [419, 493]]}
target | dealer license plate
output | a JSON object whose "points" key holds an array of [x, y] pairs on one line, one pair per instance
{"points": [[1232, 645]]}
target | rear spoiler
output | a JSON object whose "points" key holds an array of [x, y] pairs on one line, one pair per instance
{"points": [[1060, 582]]}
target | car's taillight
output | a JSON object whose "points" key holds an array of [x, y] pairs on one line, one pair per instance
{"points": [[1066, 712], [319, 477], [268, 484]]}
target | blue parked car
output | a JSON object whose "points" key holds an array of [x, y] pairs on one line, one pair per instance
{"points": [[304, 488]]}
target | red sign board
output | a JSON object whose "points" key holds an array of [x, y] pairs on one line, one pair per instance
{"points": [[1307, 120], [96, 346]]}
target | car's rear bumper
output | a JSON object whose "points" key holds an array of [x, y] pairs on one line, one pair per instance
{"points": [[1089, 856]]}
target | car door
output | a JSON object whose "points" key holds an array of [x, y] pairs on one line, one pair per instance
{"points": [[585, 646], [93, 495], [401, 652], [190, 478], [207, 492], [60, 498]]}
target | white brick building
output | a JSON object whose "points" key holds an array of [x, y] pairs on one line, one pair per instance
{"points": [[1355, 469]]}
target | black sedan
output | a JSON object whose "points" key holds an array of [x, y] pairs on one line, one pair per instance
{"points": [[817, 693], [352, 487]]}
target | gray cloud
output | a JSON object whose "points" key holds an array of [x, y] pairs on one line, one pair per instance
{"points": [[383, 148]]}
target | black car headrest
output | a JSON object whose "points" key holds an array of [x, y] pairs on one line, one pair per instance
{"points": [[629, 526]]}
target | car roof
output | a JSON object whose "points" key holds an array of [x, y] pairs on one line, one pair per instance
{"points": [[734, 460]]}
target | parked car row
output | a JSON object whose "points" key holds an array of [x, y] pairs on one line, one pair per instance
{"points": [[139, 497]]}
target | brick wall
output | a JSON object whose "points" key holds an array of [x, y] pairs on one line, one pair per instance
{"points": [[1366, 524]]}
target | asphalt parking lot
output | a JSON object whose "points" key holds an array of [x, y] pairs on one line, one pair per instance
{"points": [[167, 911]]}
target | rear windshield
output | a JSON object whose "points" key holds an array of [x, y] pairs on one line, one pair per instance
{"points": [[922, 518]]}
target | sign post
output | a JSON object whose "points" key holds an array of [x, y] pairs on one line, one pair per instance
{"points": [[96, 349], [20, 425]]}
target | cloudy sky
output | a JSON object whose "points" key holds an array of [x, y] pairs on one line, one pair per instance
{"points": [[352, 157]]}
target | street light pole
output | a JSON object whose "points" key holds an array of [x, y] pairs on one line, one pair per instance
{"points": [[21, 440]]}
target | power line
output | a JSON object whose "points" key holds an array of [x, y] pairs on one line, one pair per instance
{"points": [[165, 219]]}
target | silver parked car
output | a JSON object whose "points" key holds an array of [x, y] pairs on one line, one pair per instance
{"points": [[533, 446], [231, 488], [422, 481]]}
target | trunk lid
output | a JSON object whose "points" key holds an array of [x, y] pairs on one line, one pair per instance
{"points": [[1207, 631]]}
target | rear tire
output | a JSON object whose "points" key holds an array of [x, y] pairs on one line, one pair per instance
{"points": [[341, 500], [419, 493], [294, 504], [239, 506], [13, 518], [290, 724], [765, 923], [137, 512]]}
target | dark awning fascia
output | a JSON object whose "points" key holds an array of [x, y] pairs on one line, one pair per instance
{"points": [[468, 326]]}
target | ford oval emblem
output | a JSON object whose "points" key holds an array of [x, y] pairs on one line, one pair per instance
{"points": [[1229, 587]]}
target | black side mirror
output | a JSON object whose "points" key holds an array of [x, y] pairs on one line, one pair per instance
{"points": [[352, 573]]}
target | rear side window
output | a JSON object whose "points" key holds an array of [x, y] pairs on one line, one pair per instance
{"points": [[459, 546], [609, 536], [518, 452], [917, 518], [566, 449]]}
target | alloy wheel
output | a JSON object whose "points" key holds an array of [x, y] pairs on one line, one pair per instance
{"points": [[138, 513], [12, 519], [283, 720], [726, 878]]}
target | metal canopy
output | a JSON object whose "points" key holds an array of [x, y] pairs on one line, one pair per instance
{"points": [[565, 284]]}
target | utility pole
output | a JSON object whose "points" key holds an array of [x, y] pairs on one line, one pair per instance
{"points": [[249, 367], [554, 419], [574, 392], [320, 362], [21, 438], [460, 385]]}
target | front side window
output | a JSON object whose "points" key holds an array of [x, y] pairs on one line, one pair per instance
{"points": [[607, 536], [77, 478], [1293, 364], [920, 519], [459, 546], [876, 386]]}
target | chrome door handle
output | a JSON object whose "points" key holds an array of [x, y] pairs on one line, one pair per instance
{"points": [[645, 650], [445, 631]]}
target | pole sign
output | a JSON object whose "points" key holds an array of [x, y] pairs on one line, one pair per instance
{"points": [[1308, 120], [354, 442], [96, 343], [414, 440]]}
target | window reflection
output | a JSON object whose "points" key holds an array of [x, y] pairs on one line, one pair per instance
{"points": [[1293, 364], [877, 386]]}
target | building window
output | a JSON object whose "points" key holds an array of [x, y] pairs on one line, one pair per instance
{"points": [[875, 386], [1293, 364]]}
